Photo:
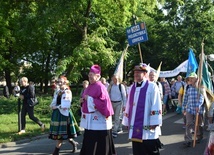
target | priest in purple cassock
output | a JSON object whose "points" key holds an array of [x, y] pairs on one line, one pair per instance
{"points": [[96, 117], [143, 113]]}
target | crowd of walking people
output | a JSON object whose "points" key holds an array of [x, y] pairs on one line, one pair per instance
{"points": [[141, 106], [106, 107]]}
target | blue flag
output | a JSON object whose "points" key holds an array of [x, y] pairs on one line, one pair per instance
{"points": [[192, 63], [205, 81]]}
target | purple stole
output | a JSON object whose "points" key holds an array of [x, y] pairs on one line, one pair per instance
{"points": [[139, 117]]}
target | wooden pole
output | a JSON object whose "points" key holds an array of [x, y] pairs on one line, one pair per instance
{"points": [[196, 127], [199, 87], [139, 49], [124, 58]]}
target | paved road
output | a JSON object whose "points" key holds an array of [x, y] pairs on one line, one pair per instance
{"points": [[172, 137]]}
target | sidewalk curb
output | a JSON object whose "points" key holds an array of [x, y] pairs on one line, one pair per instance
{"points": [[10, 144], [45, 135]]}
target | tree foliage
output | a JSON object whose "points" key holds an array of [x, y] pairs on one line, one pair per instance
{"points": [[66, 37]]}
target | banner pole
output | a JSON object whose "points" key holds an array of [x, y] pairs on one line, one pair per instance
{"points": [[139, 48], [199, 87], [196, 128]]}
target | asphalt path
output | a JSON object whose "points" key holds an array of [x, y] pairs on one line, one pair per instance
{"points": [[172, 138]]}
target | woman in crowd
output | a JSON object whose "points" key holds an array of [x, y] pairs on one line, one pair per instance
{"points": [[62, 126]]}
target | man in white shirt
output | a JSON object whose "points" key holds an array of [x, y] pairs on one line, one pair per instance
{"points": [[117, 93]]}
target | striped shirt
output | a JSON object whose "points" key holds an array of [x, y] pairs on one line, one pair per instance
{"points": [[192, 100], [166, 88]]}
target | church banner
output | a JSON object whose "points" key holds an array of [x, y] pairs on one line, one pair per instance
{"points": [[172, 73]]}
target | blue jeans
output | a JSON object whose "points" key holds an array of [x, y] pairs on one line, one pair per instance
{"points": [[165, 99]]}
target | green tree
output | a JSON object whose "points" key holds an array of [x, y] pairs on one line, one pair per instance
{"points": [[183, 25], [66, 37]]}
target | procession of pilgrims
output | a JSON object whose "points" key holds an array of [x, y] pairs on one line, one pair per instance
{"points": [[64, 126]]}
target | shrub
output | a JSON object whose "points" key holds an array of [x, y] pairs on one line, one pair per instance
{"points": [[9, 117]]}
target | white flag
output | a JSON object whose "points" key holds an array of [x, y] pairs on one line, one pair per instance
{"points": [[119, 69]]}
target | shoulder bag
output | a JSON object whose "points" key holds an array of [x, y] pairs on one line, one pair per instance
{"points": [[32, 101]]}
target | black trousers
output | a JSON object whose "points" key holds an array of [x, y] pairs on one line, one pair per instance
{"points": [[26, 109], [147, 147], [97, 142]]}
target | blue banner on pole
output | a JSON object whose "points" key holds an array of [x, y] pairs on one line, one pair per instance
{"points": [[192, 63], [136, 34]]}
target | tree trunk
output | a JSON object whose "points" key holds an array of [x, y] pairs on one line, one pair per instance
{"points": [[8, 79]]}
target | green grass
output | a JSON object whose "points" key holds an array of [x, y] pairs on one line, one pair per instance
{"points": [[9, 118]]}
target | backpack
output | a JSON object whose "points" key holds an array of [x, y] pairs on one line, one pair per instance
{"points": [[161, 93], [109, 90]]}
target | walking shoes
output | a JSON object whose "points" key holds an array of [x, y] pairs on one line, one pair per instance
{"points": [[74, 144], [21, 132]]}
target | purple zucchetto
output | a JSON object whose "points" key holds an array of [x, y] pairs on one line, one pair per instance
{"points": [[95, 69]]}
